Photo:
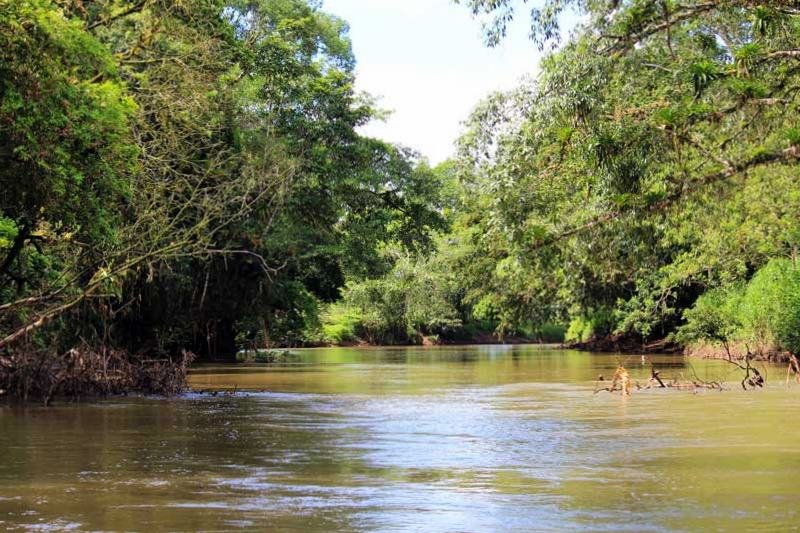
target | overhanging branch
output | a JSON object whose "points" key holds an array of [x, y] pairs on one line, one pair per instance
{"points": [[784, 156]]}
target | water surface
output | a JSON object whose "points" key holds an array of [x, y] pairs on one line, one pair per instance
{"points": [[412, 439]]}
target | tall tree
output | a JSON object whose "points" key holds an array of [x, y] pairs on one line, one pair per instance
{"points": [[611, 181]]}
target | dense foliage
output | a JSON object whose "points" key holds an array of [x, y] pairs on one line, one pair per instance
{"points": [[186, 175], [762, 315], [638, 183], [652, 160], [641, 180], [189, 175]]}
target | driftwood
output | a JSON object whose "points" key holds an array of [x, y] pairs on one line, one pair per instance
{"points": [[794, 368], [655, 377], [622, 382], [694, 384], [752, 376]]}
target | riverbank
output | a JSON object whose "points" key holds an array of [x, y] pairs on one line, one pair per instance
{"points": [[735, 351], [477, 340], [626, 345], [482, 339]]}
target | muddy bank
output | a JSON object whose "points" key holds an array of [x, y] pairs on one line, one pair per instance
{"points": [[487, 339], [737, 352], [626, 345], [478, 340]]}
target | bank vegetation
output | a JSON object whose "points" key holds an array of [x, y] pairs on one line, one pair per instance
{"points": [[187, 177]]}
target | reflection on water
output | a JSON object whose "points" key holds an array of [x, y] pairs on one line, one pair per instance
{"points": [[446, 439]]}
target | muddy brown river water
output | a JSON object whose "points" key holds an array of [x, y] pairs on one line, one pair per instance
{"points": [[412, 439]]}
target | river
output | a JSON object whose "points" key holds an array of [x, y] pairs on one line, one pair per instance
{"points": [[412, 439]]}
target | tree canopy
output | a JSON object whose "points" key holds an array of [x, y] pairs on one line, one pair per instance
{"points": [[187, 175], [654, 157]]}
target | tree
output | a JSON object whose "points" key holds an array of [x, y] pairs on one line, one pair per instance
{"points": [[193, 177], [347, 197], [615, 178], [715, 317], [66, 151]]}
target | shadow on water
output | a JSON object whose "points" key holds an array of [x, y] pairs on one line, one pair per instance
{"points": [[444, 439]]}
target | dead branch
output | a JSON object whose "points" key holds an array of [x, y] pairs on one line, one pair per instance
{"points": [[794, 368]]}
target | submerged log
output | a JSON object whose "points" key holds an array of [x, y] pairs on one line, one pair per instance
{"points": [[655, 377]]}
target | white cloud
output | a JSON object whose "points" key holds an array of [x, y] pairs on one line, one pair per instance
{"points": [[426, 61]]}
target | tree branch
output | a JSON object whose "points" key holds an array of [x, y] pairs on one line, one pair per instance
{"points": [[784, 156], [136, 7]]}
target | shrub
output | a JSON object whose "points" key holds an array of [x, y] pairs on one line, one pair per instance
{"points": [[341, 324], [473, 329], [263, 356], [770, 308], [413, 300], [579, 330], [715, 318], [550, 332], [292, 321], [593, 324]]}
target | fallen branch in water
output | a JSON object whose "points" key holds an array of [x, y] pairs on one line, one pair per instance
{"points": [[752, 376], [622, 382], [655, 377], [694, 384]]}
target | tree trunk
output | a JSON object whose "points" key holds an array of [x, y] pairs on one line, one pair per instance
{"points": [[16, 248]]}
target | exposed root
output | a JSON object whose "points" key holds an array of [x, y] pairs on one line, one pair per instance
{"points": [[86, 371]]}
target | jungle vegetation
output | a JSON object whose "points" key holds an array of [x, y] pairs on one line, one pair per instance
{"points": [[187, 177], [654, 159], [183, 176], [652, 164], [646, 175]]}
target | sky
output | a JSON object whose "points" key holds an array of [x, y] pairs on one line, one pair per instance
{"points": [[427, 62]]}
